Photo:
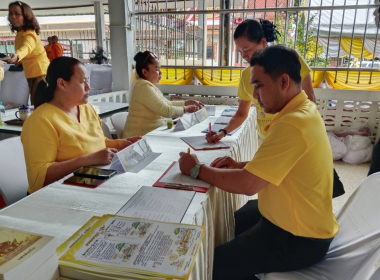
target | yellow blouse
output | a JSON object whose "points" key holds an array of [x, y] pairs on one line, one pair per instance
{"points": [[49, 135], [1, 73], [31, 53], [147, 109]]}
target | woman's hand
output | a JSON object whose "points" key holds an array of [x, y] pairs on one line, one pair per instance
{"points": [[14, 58], [194, 102], [102, 157], [123, 143], [227, 162], [2, 63], [191, 108]]}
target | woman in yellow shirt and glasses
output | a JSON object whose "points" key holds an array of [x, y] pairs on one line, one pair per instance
{"points": [[64, 132], [148, 107], [28, 47]]}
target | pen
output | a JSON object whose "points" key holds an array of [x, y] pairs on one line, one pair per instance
{"points": [[188, 150], [209, 128], [179, 186]]}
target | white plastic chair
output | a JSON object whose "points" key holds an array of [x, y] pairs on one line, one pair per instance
{"points": [[118, 121], [13, 179], [106, 131], [355, 251]]}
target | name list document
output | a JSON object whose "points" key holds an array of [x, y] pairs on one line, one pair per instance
{"points": [[164, 205], [200, 143]]}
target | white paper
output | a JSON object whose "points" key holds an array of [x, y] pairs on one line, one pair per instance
{"points": [[175, 176], [228, 113], [211, 110], [158, 204], [189, 120], [199, 143], [223, 120], [201, 114], [216, 127]]}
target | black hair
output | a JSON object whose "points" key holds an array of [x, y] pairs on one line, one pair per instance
{"points": [[61, 67], [143, 59], [30, 21], [254, 31], [277, 60]]}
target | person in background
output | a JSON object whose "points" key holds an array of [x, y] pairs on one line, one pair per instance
{"points": [[2, 63], [28, 46], [251, 36], [56, 48], [148, 107], [48, 48], [64, 132], [294, 223]]}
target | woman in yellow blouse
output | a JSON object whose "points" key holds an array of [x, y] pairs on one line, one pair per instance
{"points": [[28, 46], [148, 107], [64, 132], [251, 36]]}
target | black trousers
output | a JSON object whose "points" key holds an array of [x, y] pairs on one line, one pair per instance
{"points": [[375, 164], [261, 247]]}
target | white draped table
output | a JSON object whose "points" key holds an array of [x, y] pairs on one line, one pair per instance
{"points": [[59, 210]]}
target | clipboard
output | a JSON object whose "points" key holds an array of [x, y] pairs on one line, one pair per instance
{"points": [[183, 187], [207, 146]]}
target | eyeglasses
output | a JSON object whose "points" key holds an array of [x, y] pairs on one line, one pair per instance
{"points": [[150, 54]]}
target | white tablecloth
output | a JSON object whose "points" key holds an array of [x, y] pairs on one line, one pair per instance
{"points": [[59, 210]]}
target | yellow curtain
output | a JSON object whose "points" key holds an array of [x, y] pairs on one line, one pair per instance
{"points": [[218, 77], [353, 79], [179, 77], [356, 48], [316, 78]]}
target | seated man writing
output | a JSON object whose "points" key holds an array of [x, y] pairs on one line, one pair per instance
{"points": [[294, 224]]}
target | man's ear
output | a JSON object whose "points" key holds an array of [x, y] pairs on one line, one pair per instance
{"points": [[285, 81]]}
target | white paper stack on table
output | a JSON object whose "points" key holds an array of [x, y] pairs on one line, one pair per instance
{"points": [[117, 247], [189, 120], [199, 143], [25, 255]]}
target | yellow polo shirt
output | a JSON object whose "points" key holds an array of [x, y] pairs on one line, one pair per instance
{"points": [[245, 92], [31, 53], [296, 159], [49, 135], [1, 73]]}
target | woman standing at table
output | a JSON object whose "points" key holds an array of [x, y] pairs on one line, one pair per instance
{"points": [[148, 107], [64, 132], [28, 47], [251, 36]]}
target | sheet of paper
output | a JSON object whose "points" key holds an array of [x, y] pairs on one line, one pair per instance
{"points": [[201, 115], [223, 120], [211, 110], [216, 127], [175, 176], [200, 142], [229, 113], [185, 122], [158, 204], [120, 244]]}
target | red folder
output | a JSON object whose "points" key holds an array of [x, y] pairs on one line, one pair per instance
{"points": [[208, 148], [178, 186]]}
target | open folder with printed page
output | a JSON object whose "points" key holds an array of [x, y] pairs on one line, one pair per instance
{"points": [[115, 247], [199, 143], [133, 158], [173, 178]]}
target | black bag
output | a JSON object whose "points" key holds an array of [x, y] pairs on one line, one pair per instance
{"points": [[13, 68]]}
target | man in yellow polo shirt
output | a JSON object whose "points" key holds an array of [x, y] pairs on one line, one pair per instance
{"points": [[291, 172]]}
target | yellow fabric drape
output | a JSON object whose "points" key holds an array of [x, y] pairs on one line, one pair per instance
{"points": [[356, 48], [352, 80], [316, 78], [218, 77], [182, 77]]}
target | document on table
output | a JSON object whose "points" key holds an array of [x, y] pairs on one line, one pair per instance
{"points": [[133, 158], [228, 113], [211, 110], [200, 143], [189, 120], [164, 205], [173, 178], [217, 126], [223, 120]]}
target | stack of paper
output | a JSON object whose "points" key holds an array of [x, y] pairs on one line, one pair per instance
{"points": [[189, 120], [117, 247], [25, 255]]}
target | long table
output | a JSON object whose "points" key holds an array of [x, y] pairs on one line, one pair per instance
{"points": [[59, 210], [104, 109]]}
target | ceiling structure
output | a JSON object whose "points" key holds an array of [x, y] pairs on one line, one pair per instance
{"points": [[57, 7]]}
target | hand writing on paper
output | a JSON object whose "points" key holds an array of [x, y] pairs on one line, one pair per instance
{"points": [[227, 162], [214, 137], [194, 102], [123, 143], [102, 157], [186, 162], [191, 108]]}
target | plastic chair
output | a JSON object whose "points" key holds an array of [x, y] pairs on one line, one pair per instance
{"points": [[355, 251], [118, 121], [14, 88], [13, 178], [106, 131]]}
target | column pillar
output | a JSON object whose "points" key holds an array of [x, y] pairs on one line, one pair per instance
{"points": [[99, 25]]}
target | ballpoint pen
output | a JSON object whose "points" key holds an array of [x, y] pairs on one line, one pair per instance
{"points": [[188, 150], [179, 186], [209, 128]]}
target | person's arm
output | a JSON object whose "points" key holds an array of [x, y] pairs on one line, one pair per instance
{"points": [[120, 144], [238, 180], [235, 122], [27, 46], [2, 63], [307, 86]]}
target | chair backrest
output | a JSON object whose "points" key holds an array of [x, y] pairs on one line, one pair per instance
{"points": [[355, 251], [101, 77], [13, 178], [118, 121], [14, 88], [106, 130]]}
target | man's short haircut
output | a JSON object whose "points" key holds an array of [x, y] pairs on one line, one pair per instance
{"points": [[277, 60]]}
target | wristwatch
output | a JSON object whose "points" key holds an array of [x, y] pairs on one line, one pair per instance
{"points": [[224, 131], [194, 172]]}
